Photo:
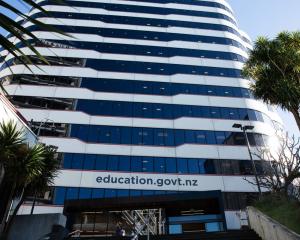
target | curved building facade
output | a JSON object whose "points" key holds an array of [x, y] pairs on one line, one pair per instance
{"points": [[141, 99]]}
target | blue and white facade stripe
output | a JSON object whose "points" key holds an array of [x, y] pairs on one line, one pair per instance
{"points": [[146, 91]]}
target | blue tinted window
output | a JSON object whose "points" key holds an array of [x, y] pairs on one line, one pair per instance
{"points": [[154, 110], [115, 135], [72, 193], [215, 112], [159, 137], [104, 135], [182, 165], [97, 193], [101, 163], [124, 163], [77, 161], [126, 136], [190, 137], [148, 193], [179, 137], [203, 166], [169, 137], [147, 164], [67, 160], [112, 163], [109, 193], [89, 162], [193, 166], [210, 138], [59, 195], [135, 193], [85, 193], [159, 165], [148, 136], [136, 164], [243, 113], [234, 114], [83, 132], [137, 136], [220, 137], [171, 166], [225, 113], [123, 193], [200, 137]]}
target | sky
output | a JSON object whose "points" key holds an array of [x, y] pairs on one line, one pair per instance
{"points": [[258, 18], [267, 18]]}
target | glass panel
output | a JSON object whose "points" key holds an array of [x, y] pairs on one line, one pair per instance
{"points": [[124, 163], [213, 227], [67, 158], [171, 165], [97, 193], [77, 161], [85, 193], [101, 162], [72, 193], [175, 229], [59, 195], [89, 162]]}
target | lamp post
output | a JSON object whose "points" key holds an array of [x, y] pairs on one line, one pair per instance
{"points": [[244, 128]]}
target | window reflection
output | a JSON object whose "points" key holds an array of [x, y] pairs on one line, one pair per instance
{"points": [[162, 137], [158, 164], [155, 10]]}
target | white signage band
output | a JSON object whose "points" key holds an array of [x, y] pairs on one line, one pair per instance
{"points": [[153, 181]]}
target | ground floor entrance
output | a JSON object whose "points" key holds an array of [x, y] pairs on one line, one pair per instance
{"points": [[183, 213]]}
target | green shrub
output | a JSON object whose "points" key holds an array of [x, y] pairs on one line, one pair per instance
{"points": [[281, 209]]}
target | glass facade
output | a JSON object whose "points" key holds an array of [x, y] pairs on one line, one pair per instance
{"points": [[147, 35], [157, 164]]}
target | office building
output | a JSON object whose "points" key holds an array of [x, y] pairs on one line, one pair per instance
{"points": [[141, 101]]}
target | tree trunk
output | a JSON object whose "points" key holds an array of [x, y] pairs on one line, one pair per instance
{"points": [[11, 219], [33, 203], [296, 115], [6, 193]]}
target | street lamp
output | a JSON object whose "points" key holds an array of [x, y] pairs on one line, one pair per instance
{"points": [[244, 128]]}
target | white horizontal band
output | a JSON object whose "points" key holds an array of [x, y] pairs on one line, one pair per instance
{"points": [[76, 117], [159, 5], [92, 54], [182, 99], [171, 44], [91, 73], [72, 145]]}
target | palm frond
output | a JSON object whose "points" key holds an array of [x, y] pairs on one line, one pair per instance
{"points": [[21, 33], [10, 136]]}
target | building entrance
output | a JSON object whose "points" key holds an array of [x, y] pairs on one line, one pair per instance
{"points": [[183, 213]]}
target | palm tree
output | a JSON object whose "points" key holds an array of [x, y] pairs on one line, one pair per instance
{"points": [[49, 171], [20, 170], [15, 29], [275, 67], [10, 140], [35, 184], [28, 170]]}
